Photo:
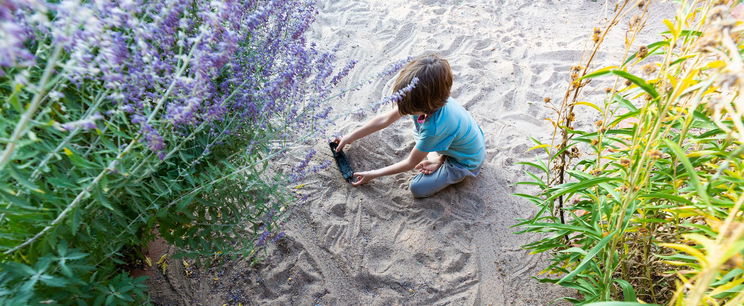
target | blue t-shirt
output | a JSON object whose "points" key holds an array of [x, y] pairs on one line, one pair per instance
{"points": [[451, 131]]}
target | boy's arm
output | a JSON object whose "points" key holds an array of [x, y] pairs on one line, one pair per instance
{"points": [[375, 124], [415, 157]]}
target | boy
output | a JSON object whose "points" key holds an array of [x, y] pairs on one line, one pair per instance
{"points": [[443, 128]]}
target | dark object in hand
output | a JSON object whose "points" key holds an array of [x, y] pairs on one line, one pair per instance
{"points": [[343, 162]]}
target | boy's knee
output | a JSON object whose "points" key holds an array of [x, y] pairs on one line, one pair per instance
{"points": [[419, 190]]}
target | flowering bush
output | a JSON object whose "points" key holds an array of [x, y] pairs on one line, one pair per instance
{"points": [[122, 117]]}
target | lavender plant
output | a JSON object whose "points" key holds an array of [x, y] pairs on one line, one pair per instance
{"points": [[124, 117]]}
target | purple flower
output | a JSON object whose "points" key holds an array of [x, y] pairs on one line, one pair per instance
{"points": [[299, 170], [262, 238], [15, 30], [278, 236], [344, 72], [153, 139], [393, 68], [398, 95], [244, 63]]}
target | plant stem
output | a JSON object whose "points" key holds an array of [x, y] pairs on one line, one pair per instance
{"points": [[21, 127]]}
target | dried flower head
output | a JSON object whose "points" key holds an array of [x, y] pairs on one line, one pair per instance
{"points": [[608, 90], [641, 4], [649, 68], [624, 162], [642, 52], [628, 82], [735, 261], [595, 172], [668, 87], [599, 123], [655, 154], [732, 80], [574, 152], [635, 21], [595, 38], [718, 12], [546, 99], [571, 117], [594, 142]]}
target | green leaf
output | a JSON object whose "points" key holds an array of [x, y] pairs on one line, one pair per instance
{"points": [[184, 203], [572, 187], [574, 250], [651, 48], [629, 294], [593, 252], [625, 116], [729, 276], [76, 220], [557, 154], [102, 199], [670, 197], [541, 166], [648, 88], [691, 172], [600, 72], [614, 303], [110, 299], [13, 98], [18, 202], [53, 281], [686, 33], [564, 227], [624, 102], [609, 188], [80, 162], [18, 269], [22, 179]]}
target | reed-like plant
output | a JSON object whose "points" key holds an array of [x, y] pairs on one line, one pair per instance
{"points": [[646, 207]]}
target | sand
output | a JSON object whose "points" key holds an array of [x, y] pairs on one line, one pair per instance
{"points": [[376, 245]]}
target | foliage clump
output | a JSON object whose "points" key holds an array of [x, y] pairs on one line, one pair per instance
{"points": [[125, 119], [647, 204]]}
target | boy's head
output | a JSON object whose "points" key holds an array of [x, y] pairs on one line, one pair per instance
{"points": [[433, 87]]}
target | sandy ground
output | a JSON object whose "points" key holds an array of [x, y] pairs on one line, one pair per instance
{"points": [[376, 245]]}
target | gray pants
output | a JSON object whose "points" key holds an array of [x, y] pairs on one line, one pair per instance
{"points": [[424, 185]]}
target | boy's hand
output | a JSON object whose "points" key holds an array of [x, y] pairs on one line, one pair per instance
{"points": [[343, 141], [428, 166], [363, 177]]}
